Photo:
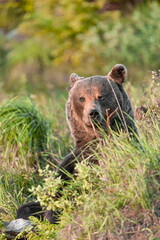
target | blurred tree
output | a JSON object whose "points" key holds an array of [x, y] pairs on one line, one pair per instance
{"points": [[53, 38], [12, 12], [65, 25]]}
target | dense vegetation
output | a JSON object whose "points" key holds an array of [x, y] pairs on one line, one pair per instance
{"points": [[117, 199], [40, 45]]}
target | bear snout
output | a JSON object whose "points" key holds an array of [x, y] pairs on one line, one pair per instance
{"points": [[95, 115]]}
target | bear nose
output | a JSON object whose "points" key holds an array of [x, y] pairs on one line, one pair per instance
{"points": [[94, 114]]}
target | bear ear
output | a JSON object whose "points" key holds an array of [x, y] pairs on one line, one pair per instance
{"points": [[118, 73], [74, 78]]}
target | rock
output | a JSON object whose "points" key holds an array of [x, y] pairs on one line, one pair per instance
{"points": [[17, 226], [13, 228]]}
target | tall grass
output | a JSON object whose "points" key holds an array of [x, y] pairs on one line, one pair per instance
{"points": [[95, 202], [25, 134]]}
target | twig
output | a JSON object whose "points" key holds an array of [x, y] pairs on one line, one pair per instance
{"points": [[108, 121]]}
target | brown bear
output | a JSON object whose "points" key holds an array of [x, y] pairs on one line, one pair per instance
{"points": [[94, 103]]}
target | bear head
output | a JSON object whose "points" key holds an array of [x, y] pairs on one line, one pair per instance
{"points": [[91, 100]]}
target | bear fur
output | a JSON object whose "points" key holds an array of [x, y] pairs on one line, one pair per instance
{"points": [[91, 101]]}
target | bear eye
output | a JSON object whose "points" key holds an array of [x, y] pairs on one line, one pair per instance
{"points": [[100, 98], [81, 99]]}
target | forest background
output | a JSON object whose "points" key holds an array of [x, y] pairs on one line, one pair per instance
{"points": [[41, 44]]}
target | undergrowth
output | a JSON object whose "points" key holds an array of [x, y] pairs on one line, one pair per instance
{"points": [[95, 202], [116, 199]]}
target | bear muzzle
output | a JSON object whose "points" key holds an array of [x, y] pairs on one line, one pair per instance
{"points": [[95, 117]]}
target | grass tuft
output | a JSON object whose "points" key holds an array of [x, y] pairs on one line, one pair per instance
{"points": [[25, 132]]}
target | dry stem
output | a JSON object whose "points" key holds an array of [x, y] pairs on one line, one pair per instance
{"points": [[108, 121]]}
